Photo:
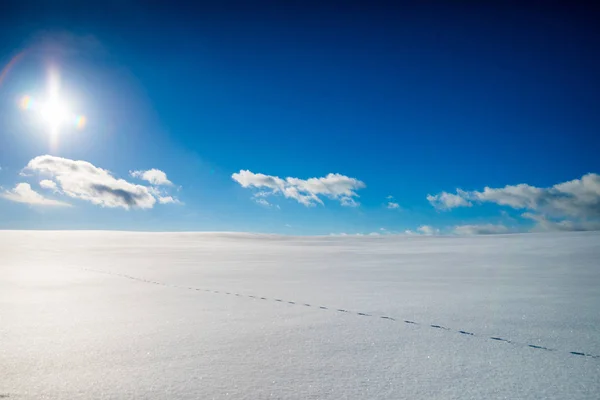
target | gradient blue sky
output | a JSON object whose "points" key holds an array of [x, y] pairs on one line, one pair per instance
{"points": [[414, 99]]}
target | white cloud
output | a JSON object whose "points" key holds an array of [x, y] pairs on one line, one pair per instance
{"points": [[393, 206], [262, 202], [428, 230], [447, 201], [82, 180], [349, 202], [544, 224], [390, 197], [162, 195], [577, 198], [333, 186], [572, 205], [168, 200], [48, 184], [344, 234], [22, 193], [484, 229], [154, 176], [250, 179], [517, 196]]}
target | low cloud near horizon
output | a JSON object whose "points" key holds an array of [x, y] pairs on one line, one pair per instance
{"points": [[23, 193], [571, 205], [483, 229], [306, 192], [82, 180]]}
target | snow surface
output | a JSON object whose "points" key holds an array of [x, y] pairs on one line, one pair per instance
{"points": [[115, 315]]}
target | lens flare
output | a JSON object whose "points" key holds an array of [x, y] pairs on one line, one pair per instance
{"points": [[25, 103], [4, 72], [53, 112], [80, 122]]}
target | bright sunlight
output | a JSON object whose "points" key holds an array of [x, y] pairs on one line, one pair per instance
{"points": [[53, 112]]}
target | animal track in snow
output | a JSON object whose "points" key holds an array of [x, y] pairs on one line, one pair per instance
{"points": [[362, 314]]}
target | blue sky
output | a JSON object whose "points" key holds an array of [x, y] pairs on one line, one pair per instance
{"points": [[408, 101]]}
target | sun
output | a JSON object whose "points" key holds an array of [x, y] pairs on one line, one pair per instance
{"points": [[54, 112]]}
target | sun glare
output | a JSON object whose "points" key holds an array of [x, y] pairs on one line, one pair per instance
{"points": [[53, 112]]}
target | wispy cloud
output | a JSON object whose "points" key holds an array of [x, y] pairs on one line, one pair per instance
{"points": [[154, 176], [577, 198], [261, 201], [577, 202], [483, 229], [168, 200], [349, 202], [428, 230], [304, 191], [392, 206], [23, 193], [162, 195], [543, 223]]}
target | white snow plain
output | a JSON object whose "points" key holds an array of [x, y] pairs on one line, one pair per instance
{"points": [[117, 315]]}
